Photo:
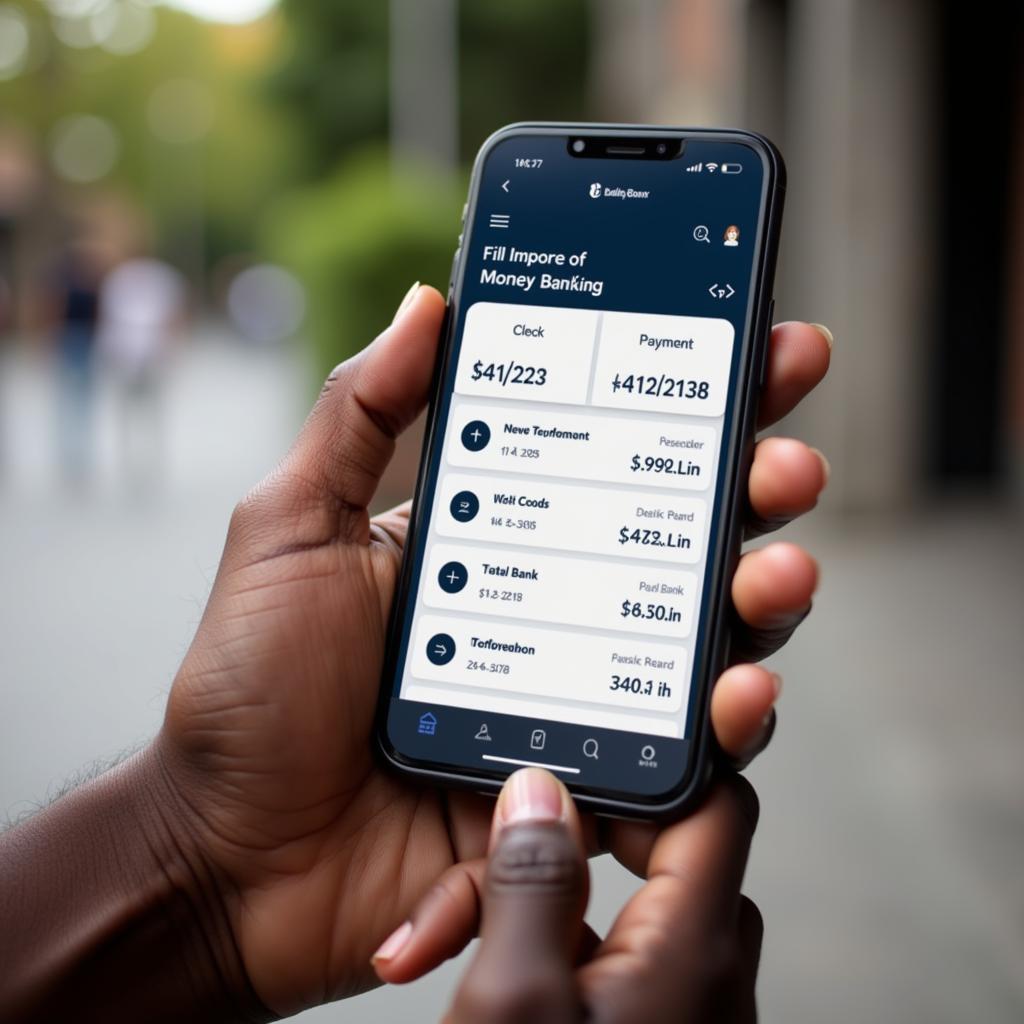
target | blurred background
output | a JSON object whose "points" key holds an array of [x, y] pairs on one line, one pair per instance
{"points": [[205, 204]]}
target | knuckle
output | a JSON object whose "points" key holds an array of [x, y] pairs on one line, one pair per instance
{"points": [[339, 378], [247, 513], [542, 856]]}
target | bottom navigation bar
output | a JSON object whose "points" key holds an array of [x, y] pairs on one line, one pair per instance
{"points": [[488, 742]]}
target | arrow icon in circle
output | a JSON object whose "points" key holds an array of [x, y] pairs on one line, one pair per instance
{"points": [[440, 648]]}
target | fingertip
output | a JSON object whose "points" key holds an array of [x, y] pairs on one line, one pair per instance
{"points": [[826, 467], [774, 585], [390, 950], [395, 370], [440, 926], [741, 703], [826, 333], [792, 558], [798, 359], [532, 795], [786, 478]]}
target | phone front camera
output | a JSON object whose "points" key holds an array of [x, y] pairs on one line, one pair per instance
{"points": [[578, 146], [661, 149]]}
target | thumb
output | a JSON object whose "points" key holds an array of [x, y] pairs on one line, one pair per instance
{"points": [[534, 897], [320, 491], [348, 439]]}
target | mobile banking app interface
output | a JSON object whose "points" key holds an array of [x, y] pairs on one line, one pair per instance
{"points": [[555, 613]]}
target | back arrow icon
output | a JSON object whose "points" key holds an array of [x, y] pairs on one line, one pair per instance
{"points": [[505, 184]]}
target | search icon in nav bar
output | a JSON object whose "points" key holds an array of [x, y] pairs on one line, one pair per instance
{"points": [[590, 748], [701, 234]]}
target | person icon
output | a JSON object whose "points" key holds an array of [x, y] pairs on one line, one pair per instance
{"points": [[731, 237]]}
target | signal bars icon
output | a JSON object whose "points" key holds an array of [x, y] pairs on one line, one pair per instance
{"points": [[704, 165]]}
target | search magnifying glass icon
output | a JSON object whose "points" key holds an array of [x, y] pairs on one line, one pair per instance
{"points": [[701, 234], [590, 748]]}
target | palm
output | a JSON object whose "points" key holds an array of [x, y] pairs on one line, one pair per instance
{"points": [[276, 702]]}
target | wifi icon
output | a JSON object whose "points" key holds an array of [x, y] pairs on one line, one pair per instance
{"points": [[711, 167]]}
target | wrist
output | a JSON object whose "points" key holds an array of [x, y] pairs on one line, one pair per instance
{"points": [[196, 899], [112, 911]]}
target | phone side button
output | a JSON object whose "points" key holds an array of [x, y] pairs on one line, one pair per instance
{"points": [[451, 276], [766, 344]]}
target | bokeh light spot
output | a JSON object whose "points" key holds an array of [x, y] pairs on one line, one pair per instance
{"points": [[180, 111], [15, 38], [83, 148], [266, 303], [123, 28], [234, 11]]}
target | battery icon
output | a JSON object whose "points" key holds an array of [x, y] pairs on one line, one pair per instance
{"points": [[731, 168]]}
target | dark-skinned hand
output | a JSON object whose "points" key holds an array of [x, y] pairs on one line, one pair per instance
{"points": [[266, 748]]}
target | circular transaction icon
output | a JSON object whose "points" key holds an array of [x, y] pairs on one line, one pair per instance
{"points": [[452, 577], [475, 435], [440, 649], [464, 506]]}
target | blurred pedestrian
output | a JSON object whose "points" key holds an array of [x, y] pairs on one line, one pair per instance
{"points": [[142, 304], [77, 300]]}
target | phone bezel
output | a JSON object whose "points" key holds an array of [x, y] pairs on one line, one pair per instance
{"points": [[737, 458]]}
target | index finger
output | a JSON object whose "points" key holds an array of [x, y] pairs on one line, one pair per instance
{"points": [[694, 868], [798, 358]]}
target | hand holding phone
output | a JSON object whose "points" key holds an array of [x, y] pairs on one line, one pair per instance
{"points": [[260, 790], [580, 502]]}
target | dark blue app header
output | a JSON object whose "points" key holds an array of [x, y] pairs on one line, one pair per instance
{"points": [[655, 236]]}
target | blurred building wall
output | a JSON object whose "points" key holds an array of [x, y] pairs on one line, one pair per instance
{"points": [[859, 248], [853, 91]]}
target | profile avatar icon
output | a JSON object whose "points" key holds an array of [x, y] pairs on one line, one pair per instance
{"points": [[731, 236]]}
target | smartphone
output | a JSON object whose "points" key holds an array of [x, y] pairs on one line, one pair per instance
{"points": [[564, 596]]}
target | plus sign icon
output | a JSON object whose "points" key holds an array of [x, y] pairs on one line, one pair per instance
{"points": [[452, 577], [475, 435]]}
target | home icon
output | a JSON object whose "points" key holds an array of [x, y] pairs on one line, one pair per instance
{"points": [[428, 724]]}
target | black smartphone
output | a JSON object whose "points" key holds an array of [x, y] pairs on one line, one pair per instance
{"points": [[564, 595]]}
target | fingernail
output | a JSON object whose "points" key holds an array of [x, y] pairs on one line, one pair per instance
{"points": [[776, 685], [394, 943], [407, 301], [531, 795], [825, 464], [826, 334]]}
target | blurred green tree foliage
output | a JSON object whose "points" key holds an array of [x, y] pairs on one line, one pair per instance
{"points": [[358, 240], [205, 179], [519, 60]]}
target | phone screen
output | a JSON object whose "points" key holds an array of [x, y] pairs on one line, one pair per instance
{"points": [[555, 610]]}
